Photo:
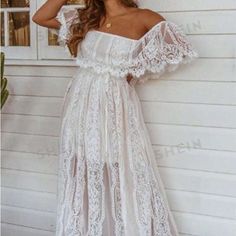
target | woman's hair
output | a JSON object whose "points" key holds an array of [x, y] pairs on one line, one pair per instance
{"points": [[90, 17]]}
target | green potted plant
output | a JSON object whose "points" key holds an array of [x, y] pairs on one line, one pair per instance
{"points": [[4, 91]]}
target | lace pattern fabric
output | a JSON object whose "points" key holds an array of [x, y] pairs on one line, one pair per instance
{"points": [[109, 183], [67, 17], [163, 48]]}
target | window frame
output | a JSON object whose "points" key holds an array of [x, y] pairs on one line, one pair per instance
{"points": [[21, 52], [39, 48], [46, 51]]}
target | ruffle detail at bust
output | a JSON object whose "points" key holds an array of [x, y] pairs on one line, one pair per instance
{"points": [[163, 48]]}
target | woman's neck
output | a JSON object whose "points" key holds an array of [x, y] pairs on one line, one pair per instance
{"points": [[114, 8]]}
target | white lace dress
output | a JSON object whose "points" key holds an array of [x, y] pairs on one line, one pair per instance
{"points": [[108, 182]]}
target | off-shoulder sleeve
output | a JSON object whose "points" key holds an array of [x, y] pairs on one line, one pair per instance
{"points": [[162, 49], [66, 17]]}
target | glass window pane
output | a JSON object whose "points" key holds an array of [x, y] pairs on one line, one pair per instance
{"points": [[52, 38], [15, 3], [19, 28], [2, 30]]}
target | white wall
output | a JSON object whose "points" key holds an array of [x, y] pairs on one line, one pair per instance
{"points": [[192, 109]]}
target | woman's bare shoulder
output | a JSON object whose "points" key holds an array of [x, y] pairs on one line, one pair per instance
{"points": [[149, 17]]}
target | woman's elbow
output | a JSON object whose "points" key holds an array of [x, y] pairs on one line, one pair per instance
{"points": [[49, 23], [36, 19], [39, 20]]}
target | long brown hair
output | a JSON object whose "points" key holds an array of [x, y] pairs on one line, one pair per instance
{"points": [[90, 18]]}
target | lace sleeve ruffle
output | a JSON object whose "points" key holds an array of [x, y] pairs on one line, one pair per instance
{"points": [[66, 17], [163, 48]]}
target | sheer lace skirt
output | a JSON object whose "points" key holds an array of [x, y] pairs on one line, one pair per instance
{"points": [[108, 182]]}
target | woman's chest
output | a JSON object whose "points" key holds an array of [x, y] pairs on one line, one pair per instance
{"points": [[107, 48]]}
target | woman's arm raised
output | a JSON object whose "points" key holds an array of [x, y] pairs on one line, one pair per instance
{"points": [[45, 15]]}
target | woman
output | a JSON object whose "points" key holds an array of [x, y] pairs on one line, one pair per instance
{"points": [[109, 183]]}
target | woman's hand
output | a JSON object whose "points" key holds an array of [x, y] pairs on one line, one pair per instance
{"points": [[45, 15]]}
